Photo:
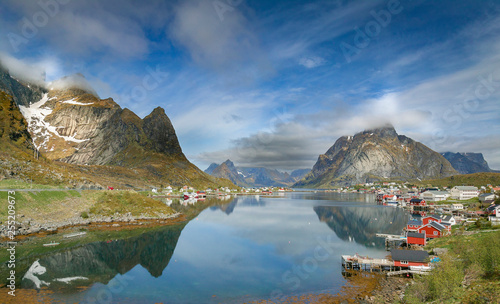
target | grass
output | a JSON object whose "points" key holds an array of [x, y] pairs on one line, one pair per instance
{"points": [[468, 273], [475, 179], [473, 200], [109, 203], [27, 202], [17, 184]]}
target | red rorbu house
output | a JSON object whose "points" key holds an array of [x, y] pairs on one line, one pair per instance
{"points": [[413, 225], [417, 202], [433, 230], [415, 238], [410, 258]]}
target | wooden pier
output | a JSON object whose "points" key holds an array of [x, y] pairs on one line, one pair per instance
{"points": [[391, 240], [357, 262], [408, 271]]}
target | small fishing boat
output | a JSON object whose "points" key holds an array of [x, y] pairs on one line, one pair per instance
{"points": [[72, 235], [189, 195], [51, 244], [392, 203]]}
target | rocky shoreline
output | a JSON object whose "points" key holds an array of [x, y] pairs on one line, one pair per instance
{"points": [[28, 226]]}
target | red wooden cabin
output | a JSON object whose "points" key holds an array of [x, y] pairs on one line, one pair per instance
{"points": [[433, 230], [415, 238], [410, 258], [426, 220]]}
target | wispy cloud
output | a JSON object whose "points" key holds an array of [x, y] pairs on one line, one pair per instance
{"points": [[269, 85], [311, 62]]}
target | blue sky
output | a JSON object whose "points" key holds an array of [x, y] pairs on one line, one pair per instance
{"points": [[275, 83]]}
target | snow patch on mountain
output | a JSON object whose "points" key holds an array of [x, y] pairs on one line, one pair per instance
{"points": [[35, 116], [74, 102]]}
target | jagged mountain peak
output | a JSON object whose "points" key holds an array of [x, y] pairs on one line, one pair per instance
{"points": [[387, 131], [374, 155], [255, 176], [158, 111], [229, 163], [467, 162]]}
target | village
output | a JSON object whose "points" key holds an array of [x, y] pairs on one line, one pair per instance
{"points": [[435, 213]]}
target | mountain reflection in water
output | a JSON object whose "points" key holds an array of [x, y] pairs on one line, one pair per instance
{"points": [[361, 224], [102, 261]]}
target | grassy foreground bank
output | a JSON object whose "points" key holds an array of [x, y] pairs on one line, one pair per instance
{"points": [[58, 205], [468, 273]]}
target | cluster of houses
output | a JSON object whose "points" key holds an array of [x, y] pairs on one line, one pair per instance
{"points": [[430, 198], [428, 227]]}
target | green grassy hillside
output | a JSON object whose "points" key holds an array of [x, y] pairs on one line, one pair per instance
{"points": [[474, 179]]}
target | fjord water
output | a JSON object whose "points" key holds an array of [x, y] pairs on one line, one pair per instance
{"points": [[247, 249]]}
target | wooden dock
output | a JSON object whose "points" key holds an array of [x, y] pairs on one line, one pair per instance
{"points": [[361, 263], [357, 262], [407, 271], [391, 240]]}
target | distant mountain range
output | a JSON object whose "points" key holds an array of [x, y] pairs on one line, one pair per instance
{"points": [[467, 163], [255, 177], [375, 155], [65, 122]]}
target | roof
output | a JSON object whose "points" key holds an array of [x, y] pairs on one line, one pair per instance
{"points": [[447, 218], [414, 222], [416, 235], [435, 192], [433, 216], [409, 255], [437, 225], [486, 194], [492, 207], [466, 188], [416, 200], [445, 223]]}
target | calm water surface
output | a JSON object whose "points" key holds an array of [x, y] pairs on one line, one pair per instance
{"points": [[250, 248]]}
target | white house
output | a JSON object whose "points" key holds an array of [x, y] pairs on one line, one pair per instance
{"points": [[486, 197], [457, 206], [449, 219], [495, 218], [464, 192], [435, 196]]}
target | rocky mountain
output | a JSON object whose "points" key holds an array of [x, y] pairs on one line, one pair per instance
{"points": [[13, 127], [466, 163], [228, 170], [375, 155], [299, 174], [68, 123], [211, 168], [255, 177]]}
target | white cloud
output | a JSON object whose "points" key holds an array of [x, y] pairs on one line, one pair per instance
{"points": [[311, 62], [212, 42], [30, 70]]}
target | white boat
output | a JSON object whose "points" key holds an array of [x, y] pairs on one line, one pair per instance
{"points": [[420, 268], [392, 203], [71, 235], [189, 195], [51, 244]]}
